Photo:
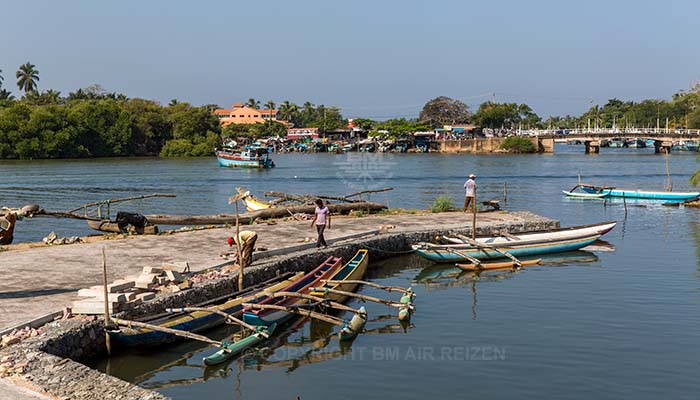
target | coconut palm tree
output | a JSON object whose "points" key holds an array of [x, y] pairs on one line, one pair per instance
{"points": [[6, 95], [27, 77], [252, 103], [1, 78], [270, 106], [288, 110]]}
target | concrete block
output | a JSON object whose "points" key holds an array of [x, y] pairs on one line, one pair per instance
{"points": [[145, 296], [180, 266], [94, 306], [119, 286], [161, 280], [113, 297], [173, 276], [152, 270]]}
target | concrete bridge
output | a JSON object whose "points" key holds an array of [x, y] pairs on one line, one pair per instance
{"points": [[593, 140]]}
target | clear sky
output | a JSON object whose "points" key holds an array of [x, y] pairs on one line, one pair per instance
{"points": [[375, 59]]}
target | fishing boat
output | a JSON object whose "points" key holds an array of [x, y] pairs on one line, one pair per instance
{"points": [[609, 191], [353, 270], [251, 157], [635, 143], [617, 143], [253, 203], [454, 253], [584, 195], [230, 350], [650, 142], [198, 320], [302, 286], [573, 232]]}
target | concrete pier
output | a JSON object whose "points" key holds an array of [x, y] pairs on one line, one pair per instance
{"points": [[43, 279]]}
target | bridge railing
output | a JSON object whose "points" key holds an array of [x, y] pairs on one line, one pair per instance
{"points": [[641, 132]]}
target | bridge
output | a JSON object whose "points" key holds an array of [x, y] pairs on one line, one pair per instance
{"points": [[594, 140]]}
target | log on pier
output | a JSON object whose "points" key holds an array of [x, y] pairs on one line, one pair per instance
{"points": [[268, 213]]}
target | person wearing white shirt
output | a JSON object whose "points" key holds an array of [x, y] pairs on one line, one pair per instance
{"points": [[470, 186]]}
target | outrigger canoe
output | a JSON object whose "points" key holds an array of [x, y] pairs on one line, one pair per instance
{"points": [[573, 232], [268, 316], [353, 270], [608, 191], [253, 203], [452, 253], [198, 320]]}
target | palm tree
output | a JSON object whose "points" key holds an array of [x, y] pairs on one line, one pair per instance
{"points": [[288, 110], [270, 106], [27, 77], [173, 102], [6, 95], [1, 78], [252, 103]]}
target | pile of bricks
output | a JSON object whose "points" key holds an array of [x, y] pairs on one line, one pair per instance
{"points": [[126, 293]]}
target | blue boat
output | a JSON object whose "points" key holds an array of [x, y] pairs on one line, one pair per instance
{"points": [[457, 253], [638, 194], [251, 157]]}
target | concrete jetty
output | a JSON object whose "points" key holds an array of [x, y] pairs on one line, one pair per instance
{"points": [[40, 280]]}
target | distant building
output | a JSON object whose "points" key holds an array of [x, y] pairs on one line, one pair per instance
{"points": [[302, 133], [240, 114]]}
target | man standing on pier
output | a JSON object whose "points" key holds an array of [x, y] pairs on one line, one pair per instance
{"points": [[470, 186]]}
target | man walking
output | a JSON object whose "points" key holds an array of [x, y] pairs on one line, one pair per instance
{"points": [[470, 186]]}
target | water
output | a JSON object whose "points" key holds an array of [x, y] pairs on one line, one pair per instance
{"points": [[620, 324]]}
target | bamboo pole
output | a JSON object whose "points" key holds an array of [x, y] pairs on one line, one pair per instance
{"points": [[483, 245], [668, 172], [371, 284], [325, 302], [359, 296], [238, 250], [474, 215], [108, 343], [505, 194], [226, 316], [171, 331], [303, 312]]}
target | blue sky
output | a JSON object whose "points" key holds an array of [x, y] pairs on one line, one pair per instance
{"points": [[375, 59]]}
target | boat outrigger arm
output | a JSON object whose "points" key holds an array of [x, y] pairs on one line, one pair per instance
{"points": [[357, 295], [486, 246], [228, 318], [598, 189], [371, 284]]}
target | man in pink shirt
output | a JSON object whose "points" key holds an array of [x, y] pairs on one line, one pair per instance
{"points": [[322, 216]]}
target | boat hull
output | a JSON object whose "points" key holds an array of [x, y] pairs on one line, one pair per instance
{"points": [[230, 350], [452, 254], [643, 194], [191, 322], [352, 270], [227, 162]]}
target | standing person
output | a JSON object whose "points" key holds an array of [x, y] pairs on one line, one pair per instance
{"points": [[322, 216], [470, 186]]}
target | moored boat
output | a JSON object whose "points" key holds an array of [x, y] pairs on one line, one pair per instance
{"points": [[638, 194], [302, 286], [253, 203], [250, 157], [230, 350], [199, 320], [352, 270]]}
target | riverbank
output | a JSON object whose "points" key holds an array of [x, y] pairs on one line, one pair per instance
{"points": [[48, 360]]}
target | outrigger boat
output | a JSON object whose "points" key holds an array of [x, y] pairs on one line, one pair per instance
{"points": [[253, 203], [251, 157], [353, 270], [526, 244], [268, 317], [199, 320], [609, 191], [230, 350]]}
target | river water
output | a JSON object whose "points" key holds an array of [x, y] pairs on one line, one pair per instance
{"points": [[604, 324]]}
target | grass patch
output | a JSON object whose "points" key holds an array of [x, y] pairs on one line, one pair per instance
{"points": [[441, 204], [518, 144]]}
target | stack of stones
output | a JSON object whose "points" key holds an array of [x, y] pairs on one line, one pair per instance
{"points": [[124, 294]]}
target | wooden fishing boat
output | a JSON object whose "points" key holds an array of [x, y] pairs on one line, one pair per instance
{"points": [[251, 157], [638, 194], [253, 203], [573, 232], [230, 350], [585, 195], [353, 270], [302, 286], [198, 320], [454, 253], [497, 265]]}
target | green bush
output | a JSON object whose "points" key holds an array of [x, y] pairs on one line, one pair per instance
{"points": [[441, 204], [518, 144]]}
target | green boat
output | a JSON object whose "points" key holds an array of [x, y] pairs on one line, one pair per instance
{"points": [[230, 350]]}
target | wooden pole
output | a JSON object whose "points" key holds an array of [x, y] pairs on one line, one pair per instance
{"points": [[474, 215], [505, 194], [359, 296], [483, 245], [326, 302], [104, 288], [303, 312], [668, 173], [171, 331], [371, 284], [226, 316], [238, 251]]}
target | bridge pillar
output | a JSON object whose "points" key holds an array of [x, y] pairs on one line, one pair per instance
{"points": [[592, 146], [662, 147]]}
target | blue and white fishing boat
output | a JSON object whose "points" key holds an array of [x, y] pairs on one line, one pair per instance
{"points": [[526, 244], [608, 191], [250, 157]]}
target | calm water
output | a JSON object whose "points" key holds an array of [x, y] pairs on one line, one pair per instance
{"points": [[620, 324]]}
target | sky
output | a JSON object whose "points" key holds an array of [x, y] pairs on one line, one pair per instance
{"points": [[376, 59]]}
